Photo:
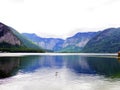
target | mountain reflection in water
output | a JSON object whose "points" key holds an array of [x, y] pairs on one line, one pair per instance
{"points": [[8, 66], [64, 72], [107, 67]]}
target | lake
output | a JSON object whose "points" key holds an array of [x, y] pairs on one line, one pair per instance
{"points": [[59, 71]]}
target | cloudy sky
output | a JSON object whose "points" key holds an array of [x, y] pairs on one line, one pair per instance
{"points": [[60, 18]]}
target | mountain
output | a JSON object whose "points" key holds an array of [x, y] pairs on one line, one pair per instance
{"points": [[70, 49], [71, 44], [12, 41], [7, 36], [107, 41], [54, 44], [77, 42]]}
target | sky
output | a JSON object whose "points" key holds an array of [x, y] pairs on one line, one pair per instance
{"points": [[60, 18]]}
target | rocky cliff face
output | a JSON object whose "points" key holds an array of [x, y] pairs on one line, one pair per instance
{"points": [[7, 36], [75, 42], [54, 44], [79, 39]]}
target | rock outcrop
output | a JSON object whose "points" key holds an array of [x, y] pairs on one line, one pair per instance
{"points": [[7, 36]]}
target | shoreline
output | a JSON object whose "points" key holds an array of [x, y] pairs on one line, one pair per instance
{"points": [[59, 54]]}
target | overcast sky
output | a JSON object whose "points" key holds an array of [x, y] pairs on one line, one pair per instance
{"points": [[60, 18]]}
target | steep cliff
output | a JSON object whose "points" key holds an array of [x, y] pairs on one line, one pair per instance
{"points": [[13, 41], [7, 36]]}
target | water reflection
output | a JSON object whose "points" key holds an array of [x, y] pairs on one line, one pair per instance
{"points": [[8, 66], [108, 67]]}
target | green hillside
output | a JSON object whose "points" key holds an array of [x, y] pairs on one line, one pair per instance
{"points": [[71, 49], [108, 41], [13, 41], [26, 42]]}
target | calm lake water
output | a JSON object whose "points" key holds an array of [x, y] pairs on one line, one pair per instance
{"points": [[59, 72]]}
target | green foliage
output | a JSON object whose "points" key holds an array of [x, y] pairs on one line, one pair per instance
{"points": [[26, 45], [108, 41], [5, 47], [20, 49], [25, 41], [71, 49]]}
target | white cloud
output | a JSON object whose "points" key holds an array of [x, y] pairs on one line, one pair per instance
{"points": [[60, 17]]}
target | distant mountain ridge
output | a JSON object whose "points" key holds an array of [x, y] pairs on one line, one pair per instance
{"points": [[105, 41], [46, 43], [77, 41], [71, 44]]}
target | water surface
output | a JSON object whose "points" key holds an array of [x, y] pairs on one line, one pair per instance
{"points": [[59, 72]]}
